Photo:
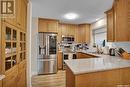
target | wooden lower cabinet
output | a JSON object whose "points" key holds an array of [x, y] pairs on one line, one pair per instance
{"points": [[81, 55], [110, 78], [22, 78], [60, 60], [0, 83], [16, 76], [22, 74], [11, 77]]}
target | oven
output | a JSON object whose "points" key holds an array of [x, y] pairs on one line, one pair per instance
{"points": [[68, 56]]}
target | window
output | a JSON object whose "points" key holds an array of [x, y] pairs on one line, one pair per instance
{"points": [[99, 35]]}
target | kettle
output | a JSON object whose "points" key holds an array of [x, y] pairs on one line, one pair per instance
{"points": [[112, 52]]}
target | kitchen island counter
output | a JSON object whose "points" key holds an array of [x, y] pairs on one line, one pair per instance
{"points": [[101, 63], [103, 71]]}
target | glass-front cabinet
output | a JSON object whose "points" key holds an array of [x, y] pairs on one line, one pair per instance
{"points": [[10, 41], [13, 46]]}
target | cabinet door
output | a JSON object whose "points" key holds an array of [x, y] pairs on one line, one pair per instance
{"points": [[52, 26], [87, 33], [60, 60], [0, 46], [81, 34], [59, 33], [83, 55], [22, 78], [18, 12], [121, 20], [42, 26], [71, 30], [24, 15], [110, 25], [0, 83], [22, 74], [12, 20], [64, 29], [11, 78]]}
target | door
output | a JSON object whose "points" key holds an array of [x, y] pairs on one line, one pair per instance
{"points": [[52, 44], [46, 66]]}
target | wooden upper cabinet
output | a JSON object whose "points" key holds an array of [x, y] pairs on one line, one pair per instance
{"points": [[47, 25], [118, 21], [18, 12], [24, 15], [83, 33], [110, 25], [64, 29], [42, 25], [68, 29], [52, 26], [20, 19]]}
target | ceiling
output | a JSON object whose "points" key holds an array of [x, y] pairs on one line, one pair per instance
{"points": [[89, 11]]}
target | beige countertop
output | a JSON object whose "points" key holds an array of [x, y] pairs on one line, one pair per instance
{"points": [[101, 63]]}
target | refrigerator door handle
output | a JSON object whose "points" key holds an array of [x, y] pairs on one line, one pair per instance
{"points": [[48, 44]]}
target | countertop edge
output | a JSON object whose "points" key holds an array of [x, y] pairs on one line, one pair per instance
{"points": [[102, 70]]}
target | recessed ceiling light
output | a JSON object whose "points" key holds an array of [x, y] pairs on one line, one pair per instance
{"points": [[71, 16]]}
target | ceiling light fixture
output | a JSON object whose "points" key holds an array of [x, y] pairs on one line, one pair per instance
{"points": [[71, 16]]}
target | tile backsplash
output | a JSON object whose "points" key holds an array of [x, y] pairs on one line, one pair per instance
{"points": [[124, 45]]}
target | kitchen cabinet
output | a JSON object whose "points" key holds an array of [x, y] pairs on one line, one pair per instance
{"points": [[68, 29], [118, 21], [110, 25], [60, 60], [13, 54], [0, 83], [47, 25], [64, 29], [83, 33], [71, 29], [11, 78], [108, 78], [59, 33], [20, 18], [53, 26], [0, 47], [22, 74], [13, 47], [81, 55], [24, 15]]}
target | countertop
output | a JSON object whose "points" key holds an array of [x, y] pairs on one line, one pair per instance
{"points": [[101, 63]]}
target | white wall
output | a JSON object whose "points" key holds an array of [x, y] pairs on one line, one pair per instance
{"points": [[34, 46], [99, 24], [102, 23]]}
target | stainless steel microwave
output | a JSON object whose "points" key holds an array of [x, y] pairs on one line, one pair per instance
{"points": [[67, 38]]}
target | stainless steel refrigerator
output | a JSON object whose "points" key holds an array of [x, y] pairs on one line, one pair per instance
{"points": [[47, 58]]}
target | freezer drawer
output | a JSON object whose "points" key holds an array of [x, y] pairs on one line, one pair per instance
{"points": [[47, 66]]}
